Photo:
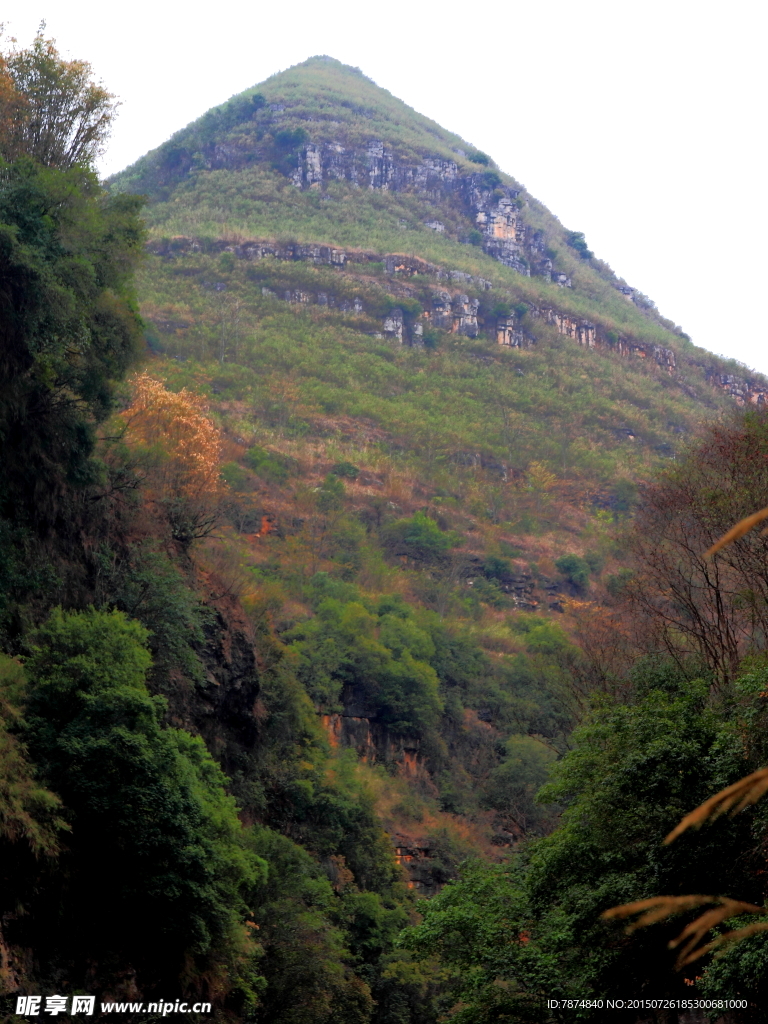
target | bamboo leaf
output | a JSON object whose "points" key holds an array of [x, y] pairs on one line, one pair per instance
{"points": [[737, 531], [658, 908], [734, 799], [727, 939]]}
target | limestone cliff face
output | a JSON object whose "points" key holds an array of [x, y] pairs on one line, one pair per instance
{"points": [[375, 744], [454, 313], [744, 390], [490, 207], [372, 740], [374, 166], [223, 706], [509, 333], [448, 306]]}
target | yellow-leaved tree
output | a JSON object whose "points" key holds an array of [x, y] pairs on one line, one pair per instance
{"points": [[183, 450]]}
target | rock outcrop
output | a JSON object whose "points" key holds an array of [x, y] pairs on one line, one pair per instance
{"points": [[453, 310], [493, 208], [509, 333], [744, 390], [373, 741], [454, 313], [415, 857]]}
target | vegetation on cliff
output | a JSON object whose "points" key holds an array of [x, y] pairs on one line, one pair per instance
{"points": [[306, 598]]}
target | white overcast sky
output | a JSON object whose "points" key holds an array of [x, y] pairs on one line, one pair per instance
{"points": [[638, 122]]}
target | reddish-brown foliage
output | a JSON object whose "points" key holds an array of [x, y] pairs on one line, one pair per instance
{"points": [[607, 646], [13, 108]]}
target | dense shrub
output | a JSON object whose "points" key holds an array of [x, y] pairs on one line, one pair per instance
{"points": [[270, 466], [577, 241], [510, 934], [418, 537], [345, 469], [497, 568], [575, 569], [375, 660]]}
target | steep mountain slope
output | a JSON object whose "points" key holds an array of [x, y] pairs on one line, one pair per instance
{"points": [[363, 297], [435, 405], [322, 155]]}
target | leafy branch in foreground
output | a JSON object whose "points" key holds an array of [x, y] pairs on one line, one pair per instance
{"points": [[734, 799], [659, 908], [739, 530]]}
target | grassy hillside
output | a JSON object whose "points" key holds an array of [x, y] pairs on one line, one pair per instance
{"points": [[231, 175], [322, 101], [593, 417], [259, 203], [338, 100]]}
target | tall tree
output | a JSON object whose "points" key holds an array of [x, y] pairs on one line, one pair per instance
{"points": [[713, 609], [69, 327], [186, 481], [50, 108]]}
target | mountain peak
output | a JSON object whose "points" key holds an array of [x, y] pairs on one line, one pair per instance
{"points": [[322, 62], [320, 155], [324, 58]]}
